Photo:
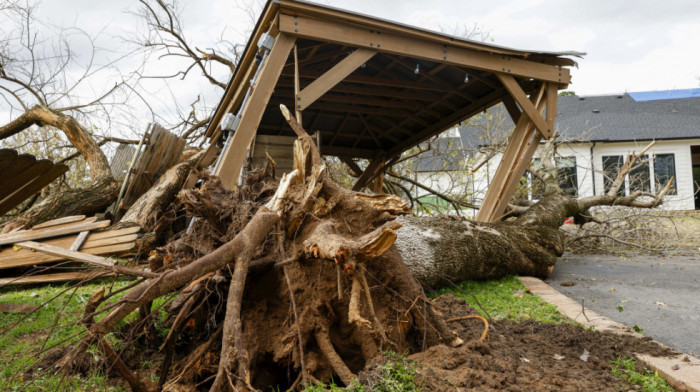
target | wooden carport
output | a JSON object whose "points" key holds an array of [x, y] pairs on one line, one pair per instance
{"points": [[373, 89]]}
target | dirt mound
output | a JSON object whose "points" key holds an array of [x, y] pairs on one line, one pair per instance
{"points": [[525, 356]]}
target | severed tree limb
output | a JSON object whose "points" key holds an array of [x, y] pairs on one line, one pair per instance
{"points": [[112, 357], [370, 305], [232, 345], [297, 323], [168, 345], [354, 316], [324, 342]]}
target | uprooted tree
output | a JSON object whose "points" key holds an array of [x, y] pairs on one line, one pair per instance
{"points": [[306, 280], [440, 250], [290, 282]]}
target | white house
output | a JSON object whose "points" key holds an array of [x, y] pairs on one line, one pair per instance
{"points": [[600, 132]]}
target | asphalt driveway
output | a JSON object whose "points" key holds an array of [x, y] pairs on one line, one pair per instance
{"points": [[660, 295]]}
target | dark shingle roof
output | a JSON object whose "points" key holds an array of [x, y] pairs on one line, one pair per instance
{"points": [[610, 118], [445, 154], [621, 118]]}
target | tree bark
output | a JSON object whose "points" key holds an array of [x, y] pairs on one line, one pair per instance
{"points": [[147, 209], [440, 250], [88, 200]]}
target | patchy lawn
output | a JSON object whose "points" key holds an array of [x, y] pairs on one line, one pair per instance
{"points": [[24, 337]]}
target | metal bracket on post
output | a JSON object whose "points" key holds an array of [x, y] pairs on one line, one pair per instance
{"points": [[230, 122]]}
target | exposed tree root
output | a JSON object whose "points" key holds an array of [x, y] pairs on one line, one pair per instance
{"points": [[278, 284], [484, 334]]}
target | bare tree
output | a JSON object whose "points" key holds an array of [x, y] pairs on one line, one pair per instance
{"points": [[42, 81], [165, 40]]}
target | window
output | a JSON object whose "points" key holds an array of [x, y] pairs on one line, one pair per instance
{"points": [[639, 178], [664, 170], [566, 175], [611, 167]]}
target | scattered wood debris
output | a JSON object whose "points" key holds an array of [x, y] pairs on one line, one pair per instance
{"points": [[68, 238]]}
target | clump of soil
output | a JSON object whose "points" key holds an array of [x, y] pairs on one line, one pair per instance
{"points": [[524, 356]]}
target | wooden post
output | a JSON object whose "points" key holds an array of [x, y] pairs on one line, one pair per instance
{"points": [[296, 85], [368, 175], [378, 183], [234, 155]]}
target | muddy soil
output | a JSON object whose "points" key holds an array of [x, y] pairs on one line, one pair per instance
{"points": [[524, 356]]}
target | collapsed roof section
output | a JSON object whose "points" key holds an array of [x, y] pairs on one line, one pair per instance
{"points": [[374, 88]]}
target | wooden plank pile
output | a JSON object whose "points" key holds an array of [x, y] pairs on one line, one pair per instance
{"points": [[23, 176], [70, 238]]}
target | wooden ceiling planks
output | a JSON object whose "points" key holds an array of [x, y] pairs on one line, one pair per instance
{"points": [[342, 64], [23, 176]]}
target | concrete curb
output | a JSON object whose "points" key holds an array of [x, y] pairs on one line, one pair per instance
{"points": [[681, 371]]}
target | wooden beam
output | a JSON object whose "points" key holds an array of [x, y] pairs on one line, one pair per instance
{"points": [[552, 97], [502, 181], [373, 169], [49, 232], [59, 221], [388, 42], [479, 105], [69, 254], [297, 87], [333, 76], [79, 240], [512, 108], [517, 173], [233, 156], [378, 81], [356, 170], [344, 87], [103, 262], [525, 104], [359, 100], [236, 88], [340, 108], [49, 278]]}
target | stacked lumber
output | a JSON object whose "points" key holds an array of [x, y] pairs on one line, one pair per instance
{"points": [[69, 238], [23, 176]]}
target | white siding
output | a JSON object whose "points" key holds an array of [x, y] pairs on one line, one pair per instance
{"points": [[588, 172], [684, 199]]}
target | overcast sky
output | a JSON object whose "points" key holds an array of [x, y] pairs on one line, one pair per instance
{"points": [[634, 45]]}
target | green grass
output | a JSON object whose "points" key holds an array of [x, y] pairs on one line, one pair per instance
{"points": [[20, 345], [505, 298], [647, 380], [398, 374]]}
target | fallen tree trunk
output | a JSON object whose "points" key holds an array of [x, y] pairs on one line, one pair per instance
{"points": [[440, 250]]}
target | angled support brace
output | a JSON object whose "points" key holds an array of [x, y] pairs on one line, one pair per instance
{"points": [[333, 76], [521, 144], [512, 108], [529, 109]]}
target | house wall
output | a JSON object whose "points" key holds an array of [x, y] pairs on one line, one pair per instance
{"points": [[588, 172]]}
